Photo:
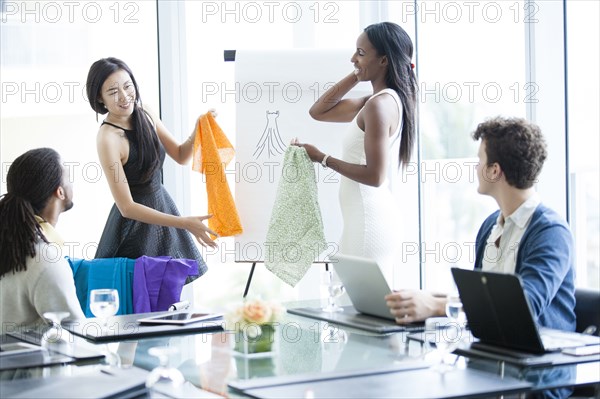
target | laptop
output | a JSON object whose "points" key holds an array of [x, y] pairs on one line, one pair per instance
{"points": [[365, 284], [366, 287], [499, 316]]}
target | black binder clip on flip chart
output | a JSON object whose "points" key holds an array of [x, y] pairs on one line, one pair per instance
{"points": [[229, 55]]}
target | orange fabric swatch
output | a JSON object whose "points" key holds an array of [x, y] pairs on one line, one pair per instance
{"points": [[212, 153]]}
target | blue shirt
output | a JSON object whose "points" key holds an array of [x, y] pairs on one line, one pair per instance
{"points": [[545, 263]]}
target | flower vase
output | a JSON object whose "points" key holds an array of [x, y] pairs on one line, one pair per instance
{"points": [[255, 341]]}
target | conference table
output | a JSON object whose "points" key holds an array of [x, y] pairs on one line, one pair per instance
{"points": [[313, 359]]}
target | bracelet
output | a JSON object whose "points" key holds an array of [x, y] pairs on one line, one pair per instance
{"points": [[324, 161]]}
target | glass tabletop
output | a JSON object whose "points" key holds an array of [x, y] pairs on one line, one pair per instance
{"points": [[304, 347], [301, 347], [308, 347]]}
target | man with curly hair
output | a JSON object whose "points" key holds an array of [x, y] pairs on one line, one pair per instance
{"points": [[523, 237]]}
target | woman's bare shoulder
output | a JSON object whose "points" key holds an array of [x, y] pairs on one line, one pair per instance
{"points": [[110, 137]]}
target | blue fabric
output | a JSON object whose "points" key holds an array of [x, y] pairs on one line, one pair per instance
{"points": [[545, 263], [104, 273]]}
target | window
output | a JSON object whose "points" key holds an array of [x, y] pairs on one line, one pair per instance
{"points": [[47, 50], [471, 66], [583, 103], [473, 62], [250, 25]]}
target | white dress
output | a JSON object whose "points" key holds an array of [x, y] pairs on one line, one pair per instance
{"points": [[371, 215]]}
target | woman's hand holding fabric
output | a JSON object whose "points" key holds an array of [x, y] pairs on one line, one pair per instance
{"points": [[313, 152]]}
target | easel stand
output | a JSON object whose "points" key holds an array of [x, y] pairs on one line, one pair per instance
{"points": [[249, 279], [252, 273]]}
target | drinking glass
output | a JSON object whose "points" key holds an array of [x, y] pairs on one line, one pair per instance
{"points": [[56, 338], [450, 336], [164, 375], [335, 289], [104, 303], [436, 338], [454, 309], [333, 341]]}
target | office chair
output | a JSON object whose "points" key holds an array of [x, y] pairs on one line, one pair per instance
{"points": [[587, 311]]}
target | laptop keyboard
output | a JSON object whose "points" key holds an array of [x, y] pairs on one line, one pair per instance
{"points": [[555, 344], [554, 340]]}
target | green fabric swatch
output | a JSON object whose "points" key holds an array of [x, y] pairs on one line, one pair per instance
{"points": [[295, 237]]}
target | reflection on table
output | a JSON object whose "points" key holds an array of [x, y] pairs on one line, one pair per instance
{"points": [[304, 347]]}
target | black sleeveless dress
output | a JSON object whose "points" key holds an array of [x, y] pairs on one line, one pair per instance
{"points": [[129, 238]]}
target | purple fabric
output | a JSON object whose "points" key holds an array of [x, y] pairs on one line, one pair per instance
{"points": [[157, 282]]}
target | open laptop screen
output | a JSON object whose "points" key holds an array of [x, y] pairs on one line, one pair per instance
{"points": [[365, 284]]}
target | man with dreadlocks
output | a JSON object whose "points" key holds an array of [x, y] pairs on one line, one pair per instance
{"points": [[34, 276]]}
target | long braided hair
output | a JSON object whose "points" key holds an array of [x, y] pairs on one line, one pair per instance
{"points": [[31, 180]]}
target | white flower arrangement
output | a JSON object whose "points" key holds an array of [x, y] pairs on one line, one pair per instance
{"points": [[253, 313]]}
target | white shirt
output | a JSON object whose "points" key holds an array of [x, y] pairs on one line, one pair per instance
{"points": [[510, 230]]}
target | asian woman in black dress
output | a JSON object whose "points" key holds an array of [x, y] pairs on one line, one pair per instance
{"points": [[132, 143]]}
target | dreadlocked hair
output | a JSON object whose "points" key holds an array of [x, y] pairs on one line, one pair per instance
{"points": [[31, 180]]}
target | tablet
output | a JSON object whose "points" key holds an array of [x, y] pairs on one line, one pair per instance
{"points": [[180, 318], [17, 348]]}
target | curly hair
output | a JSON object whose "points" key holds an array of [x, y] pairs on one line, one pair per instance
{"points": [[517, 145]]}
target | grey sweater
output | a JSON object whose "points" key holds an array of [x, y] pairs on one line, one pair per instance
{"points": [[47, 285]]}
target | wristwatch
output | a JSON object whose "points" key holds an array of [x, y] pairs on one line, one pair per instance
{"points": [[324, 161]]}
